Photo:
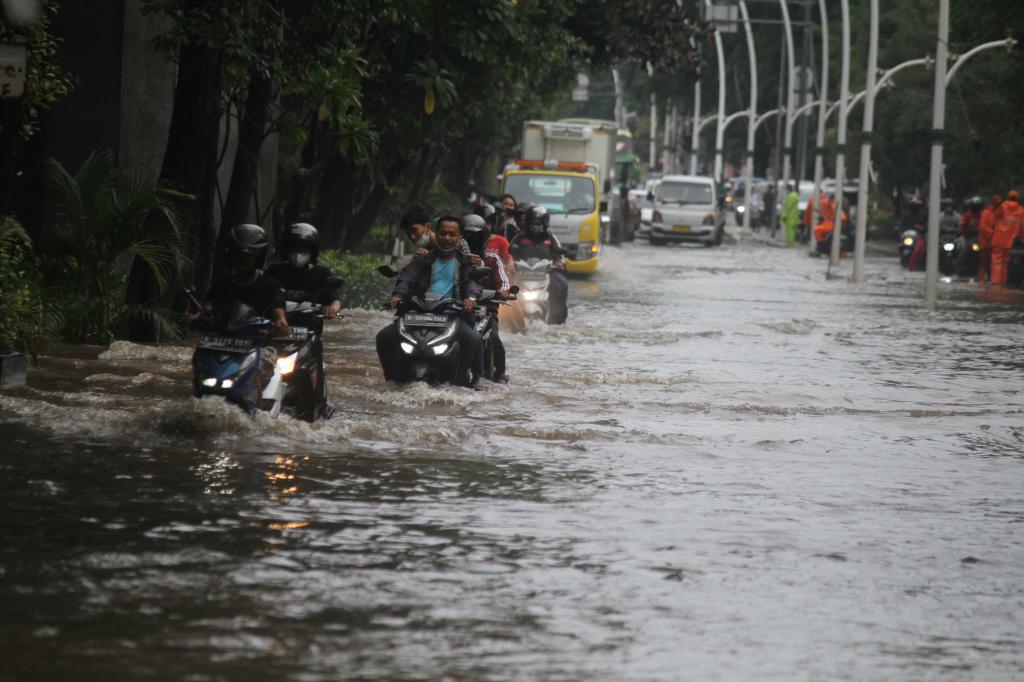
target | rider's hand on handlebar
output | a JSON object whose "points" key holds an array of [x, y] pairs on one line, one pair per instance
{"points": [[469, 304], [280, 323], [333, 310], [502, 293], [474, 260], [394, 301]]}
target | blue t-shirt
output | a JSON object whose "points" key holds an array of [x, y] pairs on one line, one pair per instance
{"points": [[442, 278]]}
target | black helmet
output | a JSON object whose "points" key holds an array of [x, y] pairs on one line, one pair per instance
{"points": [[475, 232], [537, 219], [300, 236], [487, 212], [249, 239]]}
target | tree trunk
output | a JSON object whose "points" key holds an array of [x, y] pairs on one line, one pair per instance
{"points": [[251, 131], [190, 163]]}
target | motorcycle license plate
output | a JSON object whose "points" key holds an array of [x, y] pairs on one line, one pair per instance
{"points": [[422, 320], [681, 229], [226, 344]]}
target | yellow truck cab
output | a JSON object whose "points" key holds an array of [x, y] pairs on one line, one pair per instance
{"points": [[571, 193]]}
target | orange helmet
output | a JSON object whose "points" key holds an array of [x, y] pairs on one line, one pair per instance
{"points": [[1012, 196]]}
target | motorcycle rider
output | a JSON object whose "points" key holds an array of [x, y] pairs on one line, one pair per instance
{"points": [[1009, 226], [444, 272], [245, 283], [971, 215], [986, 228], [479, 238], [535, 241], [949, 220], [496, 243], [300, 274]]}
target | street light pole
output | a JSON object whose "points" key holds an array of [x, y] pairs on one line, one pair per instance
{"points": [[935, 172], [819, 142], [787, 145], [653, 155], [752, 56], [719, 127], [865, 149], [695, 142], [844, 93]]}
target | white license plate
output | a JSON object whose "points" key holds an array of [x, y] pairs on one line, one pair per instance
{"points": [[420, 320], [226, 344]]}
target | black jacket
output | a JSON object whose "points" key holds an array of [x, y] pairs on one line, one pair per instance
{"points": [[414, 280], [306, 283]]}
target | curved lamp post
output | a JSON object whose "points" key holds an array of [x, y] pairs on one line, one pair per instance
{"points": [[752, 112], [787, 145], [819, 144], [865, 149], [844, 94]]}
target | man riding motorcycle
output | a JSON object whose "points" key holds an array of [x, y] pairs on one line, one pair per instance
{"points": [[535, 241], [304, 280], [442, 272], [245, 283]]}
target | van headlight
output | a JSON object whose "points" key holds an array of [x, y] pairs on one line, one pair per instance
{"points": [[709, 219], [586, 250]]}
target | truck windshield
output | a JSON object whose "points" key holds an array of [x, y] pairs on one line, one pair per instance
{"points": [[685, 193], [557, 193]]}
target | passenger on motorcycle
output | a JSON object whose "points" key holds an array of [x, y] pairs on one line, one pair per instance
{"points": [[442, 272], [496, 242], [971, 217], [306, 281], [479, 238], [535, 241], [418, 227], [506, 225]]}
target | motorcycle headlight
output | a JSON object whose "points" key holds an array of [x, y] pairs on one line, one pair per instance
{"points": [[948, 247], [605, 218], [440, 348], [908, 241], [586, 250], [407, 347], [741, 208], [529, 295], [975, 247], [286, 365], [209, 383], [227, 383]]}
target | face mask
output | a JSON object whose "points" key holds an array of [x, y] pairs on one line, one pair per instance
{"points": [[423, 240], [299, 259], [447, 251]]}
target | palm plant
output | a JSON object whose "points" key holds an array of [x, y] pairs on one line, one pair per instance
{"points": [[106, 220]]}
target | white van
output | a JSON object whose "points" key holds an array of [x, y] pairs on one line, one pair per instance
{"points": [[686, 210]]}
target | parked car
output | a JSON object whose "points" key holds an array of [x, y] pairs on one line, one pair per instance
{"points": [[686, 209]]}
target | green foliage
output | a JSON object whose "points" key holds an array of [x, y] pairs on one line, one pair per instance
{"points": [[105, 220], [45, 81], [364, 286], [28, 320]]}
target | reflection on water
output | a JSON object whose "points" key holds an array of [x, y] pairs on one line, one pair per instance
{"points": [[724, 464]]}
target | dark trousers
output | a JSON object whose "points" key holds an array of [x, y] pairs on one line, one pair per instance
{"points": [[471, 349], [558, 295], [499, 351]]}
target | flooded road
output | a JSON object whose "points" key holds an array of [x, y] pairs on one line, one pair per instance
{"points": [[724, 467]]}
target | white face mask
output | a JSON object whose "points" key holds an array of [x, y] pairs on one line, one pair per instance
{"points": [[299, 259], [424, 240]]}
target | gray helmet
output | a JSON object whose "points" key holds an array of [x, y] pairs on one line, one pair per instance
{"points": [[300, 236], [475, 232], [248, 239]]}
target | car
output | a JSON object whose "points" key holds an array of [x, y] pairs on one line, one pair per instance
{"points": [[686, 209]]}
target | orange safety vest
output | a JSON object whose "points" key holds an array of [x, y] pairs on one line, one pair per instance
{"points": [[1009, 224]]}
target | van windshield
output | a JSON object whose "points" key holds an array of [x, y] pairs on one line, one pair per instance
{"points": [[685, 193], [557, 193]]}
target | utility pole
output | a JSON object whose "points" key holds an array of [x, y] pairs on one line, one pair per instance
{"points": [[653, 154], [819, 146], [935, 172], [752, 113], [720, 122], [695, 142], [844, 95], [620, 108], [864, 180], [787, 151], [800, 165]]}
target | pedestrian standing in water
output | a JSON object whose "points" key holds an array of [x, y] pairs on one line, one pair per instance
{"points": [[768, 210], [790, 214]]}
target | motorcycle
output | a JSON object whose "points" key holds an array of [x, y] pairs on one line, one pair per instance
{"points": [[908, 240], [967, 254], [947, 252], [486, 323], [237, 342], [429, 351], [532, 274]]}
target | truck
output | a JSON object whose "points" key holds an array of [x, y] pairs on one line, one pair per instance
{"points": [[566, 167]]}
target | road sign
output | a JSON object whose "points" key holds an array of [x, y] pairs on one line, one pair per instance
{"points": [[724, 17], [12, 71]]}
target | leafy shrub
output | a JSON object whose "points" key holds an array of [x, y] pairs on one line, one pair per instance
{"points": [[364, 286], [28, 319], [105, 221]]}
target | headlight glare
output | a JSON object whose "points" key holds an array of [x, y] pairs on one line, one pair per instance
{"points": [[407, 347], [286, 365]]}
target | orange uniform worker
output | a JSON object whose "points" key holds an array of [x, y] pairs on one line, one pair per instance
{"points": [[986, 226], [1009, 226], [825, 208]]}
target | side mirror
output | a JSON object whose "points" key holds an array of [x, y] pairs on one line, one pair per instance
{"points": [[478, 274], [604, 206], [514, 289]]}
